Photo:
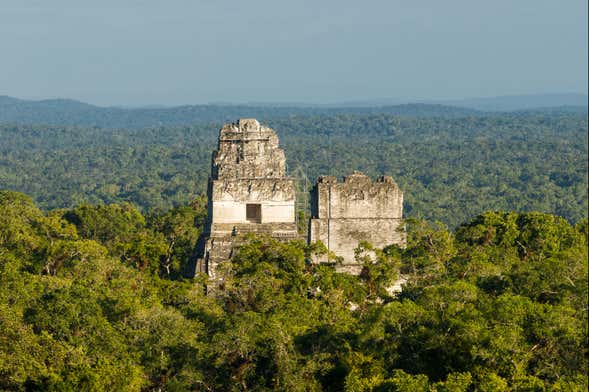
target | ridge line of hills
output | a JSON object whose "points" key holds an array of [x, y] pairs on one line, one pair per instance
{"points": [[68, 112]]}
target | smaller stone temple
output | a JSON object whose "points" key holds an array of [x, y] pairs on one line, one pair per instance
{"points": [[248, 192], [357, 209]]}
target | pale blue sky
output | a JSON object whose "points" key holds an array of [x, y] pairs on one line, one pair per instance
{"points": [[171, 52]]}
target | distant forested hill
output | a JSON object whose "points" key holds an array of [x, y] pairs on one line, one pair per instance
{"points": [[73, 113], [450, 168], [67, 112], [523, 102]]}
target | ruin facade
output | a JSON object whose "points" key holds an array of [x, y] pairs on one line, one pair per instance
{"points": [[248, 192], [357, 209]]}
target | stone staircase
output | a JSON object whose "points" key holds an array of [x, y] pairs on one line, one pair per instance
{"points": [[285, 231], [224, 238]]}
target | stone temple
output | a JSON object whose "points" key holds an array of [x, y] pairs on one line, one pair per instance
{"points": [[249, 192], [357, 209]]}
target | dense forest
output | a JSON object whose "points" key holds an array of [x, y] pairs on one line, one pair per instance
{"points": [[98, 225], [92, 299], [451, 168]]}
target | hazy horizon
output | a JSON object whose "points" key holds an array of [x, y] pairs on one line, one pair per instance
{"points": [[525, 100], [202, 52]]}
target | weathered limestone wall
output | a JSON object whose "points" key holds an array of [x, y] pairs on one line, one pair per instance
{"points": [[248, 150], [235, 212], [275, 195], [342, 236], [358, 209]]}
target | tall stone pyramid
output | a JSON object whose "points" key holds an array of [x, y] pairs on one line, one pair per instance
{"points": [[248, 192]]}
